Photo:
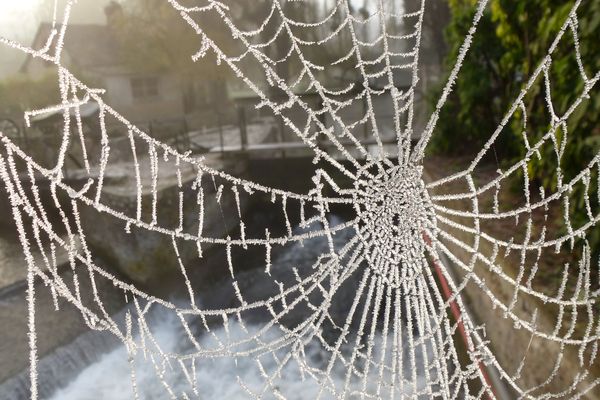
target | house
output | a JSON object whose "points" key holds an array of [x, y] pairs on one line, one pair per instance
{"points": [[92, 52]]}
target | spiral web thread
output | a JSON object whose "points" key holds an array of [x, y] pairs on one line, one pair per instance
{"points": [[397, 338]]}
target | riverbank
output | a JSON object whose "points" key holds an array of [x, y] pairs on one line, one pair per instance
{"points": [[509, 341], [57, 323]]}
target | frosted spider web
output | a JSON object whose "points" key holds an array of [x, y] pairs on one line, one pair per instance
{"points": [[413, 248]]}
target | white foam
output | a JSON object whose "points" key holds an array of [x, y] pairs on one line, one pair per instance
{"points": [[217, 379]]}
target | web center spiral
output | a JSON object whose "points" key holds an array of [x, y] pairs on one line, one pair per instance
{"points": [[394, 219]]}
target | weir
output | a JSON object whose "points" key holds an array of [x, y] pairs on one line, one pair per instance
{"points": [[65, 344], [302, 251]]}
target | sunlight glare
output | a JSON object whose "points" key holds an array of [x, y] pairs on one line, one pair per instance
{"points": [[12, 6]]}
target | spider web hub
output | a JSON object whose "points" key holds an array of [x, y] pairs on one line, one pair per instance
{"points": [[392, 221]]}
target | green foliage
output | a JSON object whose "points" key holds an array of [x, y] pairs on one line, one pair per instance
{"points": [[473, 109], [507, 48], [511, 41]]}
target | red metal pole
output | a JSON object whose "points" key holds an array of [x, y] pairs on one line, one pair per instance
{"points": [[455, 310]]}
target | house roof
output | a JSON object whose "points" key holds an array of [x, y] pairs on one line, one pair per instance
{"points": [[88, 45]]}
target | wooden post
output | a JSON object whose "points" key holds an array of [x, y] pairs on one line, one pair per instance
{"points": [[186, 135], [177, 141], [365, 110], [322, 138], [242, 124], [25, 136], [220, 123], [281, 135]]}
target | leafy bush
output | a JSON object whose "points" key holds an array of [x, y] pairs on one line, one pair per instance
{"points": [[512, 39]]}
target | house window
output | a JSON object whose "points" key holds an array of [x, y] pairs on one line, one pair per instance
{"points": [[142, 88]]}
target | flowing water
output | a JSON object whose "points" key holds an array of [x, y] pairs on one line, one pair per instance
{"points": [[110, 377], [106, 370]]}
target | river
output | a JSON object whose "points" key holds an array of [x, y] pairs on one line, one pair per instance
{"points": [[106, 373]]}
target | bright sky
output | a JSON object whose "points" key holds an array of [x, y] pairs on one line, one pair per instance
{"points": [[18, 16], [18, 5], [19, 20]]}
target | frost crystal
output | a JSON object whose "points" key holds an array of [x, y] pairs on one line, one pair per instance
{"points": [[417, 244]]}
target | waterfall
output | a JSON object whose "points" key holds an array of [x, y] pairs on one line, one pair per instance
{"points": [[97, 366], [61, 366]]}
